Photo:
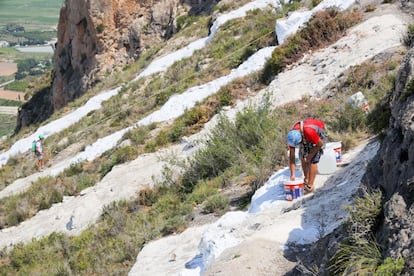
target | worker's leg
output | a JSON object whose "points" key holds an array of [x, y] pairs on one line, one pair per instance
{"points": [[305, 166], [42, 163], [313, 170], [312, 174], [306, 171]]}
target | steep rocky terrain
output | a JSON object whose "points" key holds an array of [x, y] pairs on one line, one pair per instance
{"points": [[393, 170], [92, 44], [96, 38]]}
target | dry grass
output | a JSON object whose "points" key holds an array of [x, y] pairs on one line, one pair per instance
{"points": [[324, 28]]}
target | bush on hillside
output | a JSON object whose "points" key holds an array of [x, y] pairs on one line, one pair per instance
{"points": [[379, 117], [323, 28], [246, 141], [408, 38], [361, 254], [216, 204], [350, 119]]}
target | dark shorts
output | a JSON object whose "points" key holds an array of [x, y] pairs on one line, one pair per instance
{"points": [[39, 155], [306, 149]]}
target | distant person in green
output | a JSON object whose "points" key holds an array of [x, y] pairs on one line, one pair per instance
{"points": [[39, 153]]}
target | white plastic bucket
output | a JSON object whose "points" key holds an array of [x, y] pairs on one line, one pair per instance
{"points": [[327, 163], [337, 147], [358, 100], [293, 188]]}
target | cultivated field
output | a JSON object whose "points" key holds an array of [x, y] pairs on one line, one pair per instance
{"points": [[7, 68], [33, 15], [11, 95]]}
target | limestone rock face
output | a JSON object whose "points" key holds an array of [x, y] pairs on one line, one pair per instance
{"points": [[393, 170], [74, 57], [95, 37], [36, 110]]}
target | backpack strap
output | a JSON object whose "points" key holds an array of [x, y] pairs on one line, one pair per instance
{"points": [[301, 132]]}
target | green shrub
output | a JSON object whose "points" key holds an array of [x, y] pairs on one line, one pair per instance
{"points": [[74, 169], [185, 20], [361, 77], [364, 213], [106, 167], [117, 156], [323, 28], [249, 141], [160, 140], [138, 135], [100, 28], [370, 8], [221, 8], [350, 120], [203, 190], [174, 224], [391, 267], [216, 204], [225, 97], [408, 91], [315, 3], [290, 6], [150, 146], [221, 152], [408, 38], [379, 117], [163, 96], [358, 257], [55, 197], [176, 131], [84, 180], [147, 196], [360, 254], [167, 204], [124, 154], [14, 217]]}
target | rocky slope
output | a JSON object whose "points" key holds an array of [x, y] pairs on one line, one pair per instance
{"points": [[392, 170], [259, 254], [96, 38]]}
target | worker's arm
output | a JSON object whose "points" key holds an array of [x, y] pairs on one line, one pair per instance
{"points": [[292, 164], [314, 150]]}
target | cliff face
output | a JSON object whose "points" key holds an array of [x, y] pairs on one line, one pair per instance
{"points": [[36, 110], [97, 36], [75, 54], [393, 170]]}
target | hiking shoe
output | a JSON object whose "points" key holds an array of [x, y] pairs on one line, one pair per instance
{"points": [[308, 189]]}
